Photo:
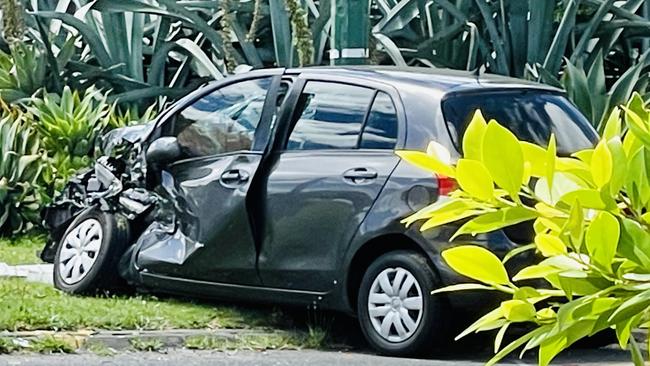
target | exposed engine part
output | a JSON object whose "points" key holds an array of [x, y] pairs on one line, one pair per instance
{"points": [[117, 183]]}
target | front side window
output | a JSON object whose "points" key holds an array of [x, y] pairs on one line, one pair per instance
{"points": [[223, 121], [329, 116]]}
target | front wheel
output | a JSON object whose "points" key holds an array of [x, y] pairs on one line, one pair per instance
{"points": [[397, 313], [87, 256]]}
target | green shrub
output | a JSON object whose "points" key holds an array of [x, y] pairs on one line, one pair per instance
{"points": [[22, 72], [69, 127], [592, 227], [21, 165], [130, 116]]}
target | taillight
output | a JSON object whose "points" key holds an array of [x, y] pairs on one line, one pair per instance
{"points": [[446, 185]]}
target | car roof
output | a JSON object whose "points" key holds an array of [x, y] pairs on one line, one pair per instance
{"points": [[439, 79]]}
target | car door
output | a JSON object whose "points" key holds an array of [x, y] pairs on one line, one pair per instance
{"points": [[206, 234], [336, 157]]}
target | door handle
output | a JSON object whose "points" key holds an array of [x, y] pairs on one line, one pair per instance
{"points": [[234, 176], [359, 174]]}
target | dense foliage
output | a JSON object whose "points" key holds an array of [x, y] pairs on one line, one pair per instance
{"points": [[536, 39], [592, 231], [21, 165], [69, 126], [596, 49]]}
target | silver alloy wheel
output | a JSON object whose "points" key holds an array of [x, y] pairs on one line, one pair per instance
{"points": [[79, 251], [395, 304]]}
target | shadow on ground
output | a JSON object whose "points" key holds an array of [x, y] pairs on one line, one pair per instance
{"points": [[344, 334]]}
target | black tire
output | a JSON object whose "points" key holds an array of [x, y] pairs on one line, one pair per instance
{"points": [[431, 333], [103, 274]]}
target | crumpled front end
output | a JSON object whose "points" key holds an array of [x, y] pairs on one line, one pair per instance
{"points": [[116, 184]]}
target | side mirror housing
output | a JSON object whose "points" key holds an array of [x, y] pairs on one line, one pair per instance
{"points": [[163, 150]]}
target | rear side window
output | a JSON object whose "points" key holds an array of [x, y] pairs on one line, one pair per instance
{"points": [[380, 131], [531, 115], [329, 116]]}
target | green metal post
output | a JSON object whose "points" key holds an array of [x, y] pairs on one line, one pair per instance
{"points": [[350, 32]]}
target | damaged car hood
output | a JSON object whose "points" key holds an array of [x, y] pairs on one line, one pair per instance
{"points": [[130, 134]]}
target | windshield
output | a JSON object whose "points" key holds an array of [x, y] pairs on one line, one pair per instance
{"points": [[531, 115]]}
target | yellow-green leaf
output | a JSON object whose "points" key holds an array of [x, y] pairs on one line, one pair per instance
{"points": [[601, 165], [584, 155], [536, 156], [551, 152], [476, 263], [474, 179], [473, 138], [588, 198], [496, 220], [442, 206], [613, 124], [427, 162], [564, 183], [546, 314], [619, 165], [550, 245], [438, 151], [574, 226], [638, 126], [602, 239], [518, 310], [631, 144], [503, 157], [499, 337], [536, 271]]}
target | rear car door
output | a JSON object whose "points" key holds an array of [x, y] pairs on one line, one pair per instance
{"points": [[207, 234], [337, 153]]}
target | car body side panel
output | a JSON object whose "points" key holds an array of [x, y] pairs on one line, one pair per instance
{"points": [[209, 237], [203, 230], [408, 190], [312, 213]]}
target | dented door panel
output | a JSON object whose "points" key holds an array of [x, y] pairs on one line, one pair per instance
{"points": [[209, 237]]}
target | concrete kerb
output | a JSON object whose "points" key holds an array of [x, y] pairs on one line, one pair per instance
{"points": [[31, 272], [123, 340]]}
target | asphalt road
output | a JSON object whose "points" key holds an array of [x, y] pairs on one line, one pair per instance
{"points": [[280, 358]]}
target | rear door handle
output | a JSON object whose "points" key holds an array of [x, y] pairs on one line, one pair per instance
{"points": [[359, 174], [234, 176]]}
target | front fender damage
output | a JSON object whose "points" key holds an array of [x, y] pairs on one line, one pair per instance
{"points": [[118, 183]]}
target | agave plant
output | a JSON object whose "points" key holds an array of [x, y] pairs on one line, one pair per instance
{"points": [[22, 72], [168, 47], [69, 127], [589, 91], [508, 36], [130, 116], [21, 165], [593, 43]]}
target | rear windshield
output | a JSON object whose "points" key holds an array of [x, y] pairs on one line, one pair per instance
{"points": [[531, 115]]}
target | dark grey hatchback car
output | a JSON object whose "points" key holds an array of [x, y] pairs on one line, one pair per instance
{"points": [[283, 186]]}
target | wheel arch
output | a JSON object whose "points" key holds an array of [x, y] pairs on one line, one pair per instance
{"points": [[373, 249]]}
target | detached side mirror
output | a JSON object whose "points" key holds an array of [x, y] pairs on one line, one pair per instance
{"points": [[163, 150]]}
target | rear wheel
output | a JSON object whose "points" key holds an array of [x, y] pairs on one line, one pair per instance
{"points": [[397, 313], [88, 253]]}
